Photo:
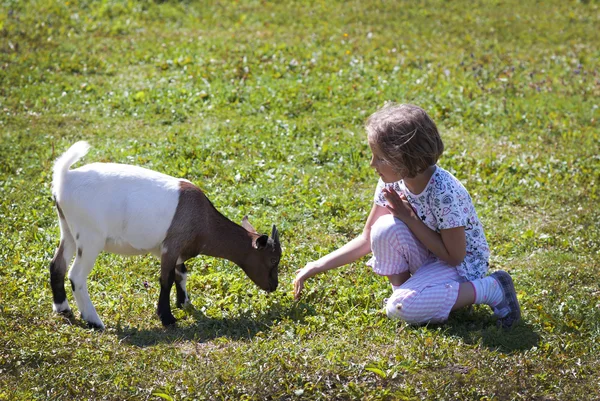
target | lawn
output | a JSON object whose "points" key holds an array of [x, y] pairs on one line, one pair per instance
{"points": [[262, 104]]}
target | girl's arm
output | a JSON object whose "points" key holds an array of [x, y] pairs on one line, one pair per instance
{"points": [[449, 245], [351, 251]]}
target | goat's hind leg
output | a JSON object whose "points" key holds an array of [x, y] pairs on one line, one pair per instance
{"points": [[89, 247], [180, 281], [58, 266]]}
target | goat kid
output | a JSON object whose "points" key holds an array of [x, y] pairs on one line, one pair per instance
{"points": [[130, 210]]}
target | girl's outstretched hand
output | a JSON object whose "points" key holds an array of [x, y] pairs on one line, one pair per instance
{"points": [[397, 204], [301, 276]]}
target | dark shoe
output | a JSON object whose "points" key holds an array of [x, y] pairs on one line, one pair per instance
{"points": [[508, 311]]}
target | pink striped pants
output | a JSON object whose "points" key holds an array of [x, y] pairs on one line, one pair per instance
{"points": [[430, 293]]}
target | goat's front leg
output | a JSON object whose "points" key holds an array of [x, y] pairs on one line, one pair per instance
{"points": [[180, 280], [167, 277]]}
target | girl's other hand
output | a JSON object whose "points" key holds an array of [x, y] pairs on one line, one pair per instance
{"points": [[398, 204], [301, 275]]}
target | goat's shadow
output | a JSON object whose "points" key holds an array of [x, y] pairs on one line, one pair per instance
{"points": [[206, 328], [473, 325], [477, 325]]}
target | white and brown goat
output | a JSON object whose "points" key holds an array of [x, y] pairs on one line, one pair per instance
{"points": [[130, 210]]}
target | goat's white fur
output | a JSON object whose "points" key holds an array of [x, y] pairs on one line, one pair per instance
{"points": [[183, 286]]}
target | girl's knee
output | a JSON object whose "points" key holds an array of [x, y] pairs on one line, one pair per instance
{"points": [[393, 310], [397, 311], [399, 306], [387, 227], [410, 307]]}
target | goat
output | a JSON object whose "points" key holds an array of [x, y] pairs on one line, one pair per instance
{"points": [[131, 210]]}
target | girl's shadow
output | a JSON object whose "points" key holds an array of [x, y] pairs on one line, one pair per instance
{"points": [[477, 325]]}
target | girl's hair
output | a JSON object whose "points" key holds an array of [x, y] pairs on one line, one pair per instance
{"points": [[406, 137]]}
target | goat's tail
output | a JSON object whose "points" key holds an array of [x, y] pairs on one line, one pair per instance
{"points": [[66, 160]]}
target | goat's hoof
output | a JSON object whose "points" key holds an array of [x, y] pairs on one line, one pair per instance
{"points": [[186, 306], [68, 313], [95, 326], [61, 308], [168, 320]]}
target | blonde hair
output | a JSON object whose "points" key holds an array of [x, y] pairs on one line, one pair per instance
{"points": [[406, 137]]}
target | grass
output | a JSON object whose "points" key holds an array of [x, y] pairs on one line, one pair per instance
{"points": [[262, 105]]}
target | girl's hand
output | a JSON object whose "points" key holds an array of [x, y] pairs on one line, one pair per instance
{"points": [[398, 204], [301, 275]]}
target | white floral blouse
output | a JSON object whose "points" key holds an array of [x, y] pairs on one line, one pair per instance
{"points": [[445, 203]]}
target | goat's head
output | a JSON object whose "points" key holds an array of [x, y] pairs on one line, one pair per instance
{"points": [[262, 262]]}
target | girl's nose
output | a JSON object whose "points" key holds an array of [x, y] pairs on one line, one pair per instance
{"points": [[372, 162]]}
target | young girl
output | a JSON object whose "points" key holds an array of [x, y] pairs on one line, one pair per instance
{"points": [[423, 230]]}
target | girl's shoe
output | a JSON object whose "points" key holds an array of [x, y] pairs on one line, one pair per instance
{"points": [[508, 311]]}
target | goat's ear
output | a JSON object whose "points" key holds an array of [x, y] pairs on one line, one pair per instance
{"points": [[261, 242], [246, 224], [275, 234]]}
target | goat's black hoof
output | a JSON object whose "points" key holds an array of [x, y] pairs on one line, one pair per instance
{"points": [[95, 326], [68, 313], [186, 306], [168, 320]]}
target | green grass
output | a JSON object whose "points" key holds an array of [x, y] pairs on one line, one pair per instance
{"points": [[262, 104]]}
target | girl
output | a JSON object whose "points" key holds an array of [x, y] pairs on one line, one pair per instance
{"points": [[423, 230]]}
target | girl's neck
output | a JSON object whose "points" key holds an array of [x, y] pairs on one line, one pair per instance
{"points": [[417, 184]]}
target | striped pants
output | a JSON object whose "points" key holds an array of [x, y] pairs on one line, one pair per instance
{"points": [[430, 293]]}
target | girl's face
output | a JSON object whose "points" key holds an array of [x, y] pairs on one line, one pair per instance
{"points": [[384, 169]]}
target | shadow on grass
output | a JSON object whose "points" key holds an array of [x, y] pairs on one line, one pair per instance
{"points": [[477, 325], [206, 328]]}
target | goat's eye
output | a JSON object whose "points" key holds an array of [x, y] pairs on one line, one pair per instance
{"points": [[274, 261]]}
